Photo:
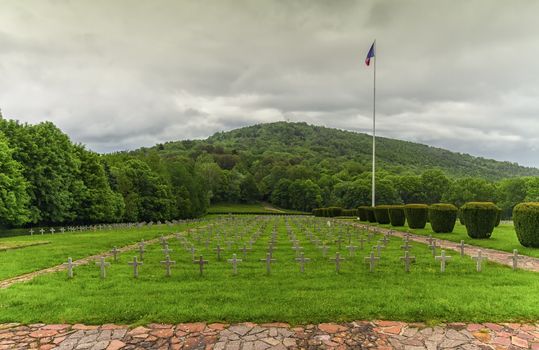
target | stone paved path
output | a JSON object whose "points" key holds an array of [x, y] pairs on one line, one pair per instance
{"points": [[250, 336], [524, 262], [84, 261]]}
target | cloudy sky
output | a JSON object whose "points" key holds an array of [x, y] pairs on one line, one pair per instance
{"points": [[462, 75]]}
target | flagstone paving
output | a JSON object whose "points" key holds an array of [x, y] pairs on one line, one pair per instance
{"points": [[251, 336], [524, 262]]}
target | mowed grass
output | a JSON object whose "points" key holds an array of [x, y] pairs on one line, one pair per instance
{"points": [[503, 237], [14, 262], [318, 295], [238, 208]]}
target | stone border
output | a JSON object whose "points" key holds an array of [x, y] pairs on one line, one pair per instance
{"points": [[383, 335]]}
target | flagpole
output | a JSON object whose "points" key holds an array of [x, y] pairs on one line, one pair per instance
{"points": [[374, 131]]}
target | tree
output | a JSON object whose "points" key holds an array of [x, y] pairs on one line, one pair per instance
{"points": [[249, 192], [510, 193], [14, 199], [434, 183], [470, 189], [410, 188]]}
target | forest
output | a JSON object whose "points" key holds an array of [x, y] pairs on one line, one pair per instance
{"points": [[45, 178]]}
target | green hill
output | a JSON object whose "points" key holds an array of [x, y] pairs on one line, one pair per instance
{"points": [[330, 151]]}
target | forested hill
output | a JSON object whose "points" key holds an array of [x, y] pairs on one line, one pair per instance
{"points": [[326, 150]]}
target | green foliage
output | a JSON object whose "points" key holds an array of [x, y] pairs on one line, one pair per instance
{"points": [[442, 217], [381, 214], [470, 190], [416, 215], [510, 192], [350, 212], [479, 218], [362, 213], [370, 214], [526, 219], [397, 216], [14, 199]]}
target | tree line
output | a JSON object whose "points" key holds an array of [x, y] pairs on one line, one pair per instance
{"points": [[47, 179]]}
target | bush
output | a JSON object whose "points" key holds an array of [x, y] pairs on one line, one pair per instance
{"points": [[349, 212], [370, 214], [396, 215], [479, 218], [334, 211], [416, 215], [382, 214], [443, 217], [526, 219], [461, 218], [362, 214]]}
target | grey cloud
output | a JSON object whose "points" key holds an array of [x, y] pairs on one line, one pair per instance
{"points": [[123, 74]]}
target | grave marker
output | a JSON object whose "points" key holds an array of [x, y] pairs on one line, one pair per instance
{"points": [[338, 260], [302, 260], [371, 259], [70, 264], [102, 265], [201, 262], [407, 259], [135, 265], [234, 262], [268, 260], [479, 260], [168, 263], [443, 259]]}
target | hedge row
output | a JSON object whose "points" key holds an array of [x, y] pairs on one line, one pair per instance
{"points": [[443, 217], [328, 212]]}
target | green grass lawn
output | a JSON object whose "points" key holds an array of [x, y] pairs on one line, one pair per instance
{"points": [[255, 208], [318, 295], [14, 262], [503, 238]]}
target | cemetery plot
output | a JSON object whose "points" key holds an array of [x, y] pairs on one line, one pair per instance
{"points": [[76, 244], [503, 237], [263, 269]]}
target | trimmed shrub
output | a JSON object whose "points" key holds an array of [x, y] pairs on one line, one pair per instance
{"points": [[416, 215], [526, 219], [370, 214], [349, 212], [479, 218], [381, 214], [396, 215], [362, 214], [442, 217], [461, 218], [334, 211]]}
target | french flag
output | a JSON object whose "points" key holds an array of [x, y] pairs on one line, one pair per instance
{"points": [[370, 54]]}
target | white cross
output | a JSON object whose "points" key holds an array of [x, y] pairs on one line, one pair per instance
{"points": [[443, 259], [302, 260], [70, 266], [234, 262], [479, 260], [102, 265], [371, 259], [135, 265], [167, 262]]}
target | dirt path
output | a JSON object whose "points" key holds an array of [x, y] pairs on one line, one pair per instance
{"points": [[84, 261], [504, 258], [250, 336]]}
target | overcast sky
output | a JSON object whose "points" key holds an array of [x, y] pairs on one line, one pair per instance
{"points": [[115, 75]]}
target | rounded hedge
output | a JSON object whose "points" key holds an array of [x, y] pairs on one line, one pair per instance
{"points": [[396, 215], [416, 215], [382, 214], [479, 218], [362, 214], [442, 217], [526, 219], [370, 214], [461, 218]]}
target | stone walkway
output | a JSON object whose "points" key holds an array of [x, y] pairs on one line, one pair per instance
{"points": [[84, 261], [250, 336], [504, 258]]}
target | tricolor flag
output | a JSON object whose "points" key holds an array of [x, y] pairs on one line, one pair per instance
{"points": [[370, 54]]}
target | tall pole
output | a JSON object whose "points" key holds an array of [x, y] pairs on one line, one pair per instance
{"points": [[374, 131]]}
